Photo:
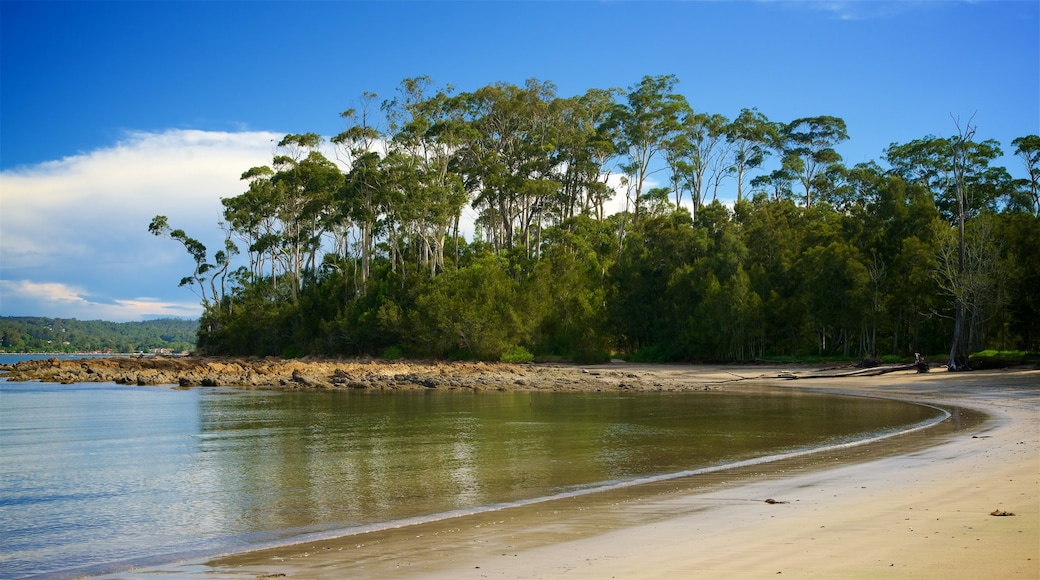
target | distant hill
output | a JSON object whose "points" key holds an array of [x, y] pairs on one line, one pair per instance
{"points": [[39, 334]]}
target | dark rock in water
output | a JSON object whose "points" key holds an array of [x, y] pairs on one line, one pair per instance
{"points": [[414, 379]]}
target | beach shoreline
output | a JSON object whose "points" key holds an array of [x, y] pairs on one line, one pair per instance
{"points": [[915, 508]]}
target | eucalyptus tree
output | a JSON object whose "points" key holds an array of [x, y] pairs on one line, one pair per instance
{"points": [[203, 270], [749, 136], [160, 227], [678, 154], [252, 217], [509, 157], [836, 186], [587, 145], [776, 185], [809, 149], [305, 182], [424, 140], [285, 211], [703, 136], [1028, 148], [491, 134], [358, 199], [957, 172], [649, 119], [936, 163]]}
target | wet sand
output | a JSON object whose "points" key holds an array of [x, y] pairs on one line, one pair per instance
{"points": [[917, 506]]}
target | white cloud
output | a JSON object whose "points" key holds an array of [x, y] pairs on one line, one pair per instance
{"points": [[79, 226], [67, 301], [72, 206]]}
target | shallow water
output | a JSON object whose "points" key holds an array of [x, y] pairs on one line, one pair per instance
{"points": [[95, 478]]}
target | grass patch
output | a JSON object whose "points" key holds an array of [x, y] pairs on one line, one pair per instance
{"points": [[996, 359]]}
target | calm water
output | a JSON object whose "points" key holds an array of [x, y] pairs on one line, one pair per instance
{"points": [[96, 478]]}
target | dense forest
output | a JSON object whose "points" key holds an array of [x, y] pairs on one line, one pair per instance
{"points": [[359, 245], [35, 334]]}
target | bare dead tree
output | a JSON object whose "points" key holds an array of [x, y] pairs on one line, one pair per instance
{"points": [[958, 352]]}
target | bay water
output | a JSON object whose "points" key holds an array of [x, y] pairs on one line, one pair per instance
{"points": [[98, 478]]}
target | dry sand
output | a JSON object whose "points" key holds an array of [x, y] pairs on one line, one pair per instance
{"points": [[915, 507]]}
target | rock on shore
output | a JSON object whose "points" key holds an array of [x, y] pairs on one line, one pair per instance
{"points": [[276, 373]]}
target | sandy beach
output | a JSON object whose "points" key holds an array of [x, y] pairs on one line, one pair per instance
{"points": [[918, 506]]}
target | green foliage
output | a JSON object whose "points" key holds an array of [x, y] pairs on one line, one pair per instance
{"points": [[292, 351], [517, 355], [476, 309], [815, 259], [1002, 359], [392, 353], [36, 334], [651, 354]]}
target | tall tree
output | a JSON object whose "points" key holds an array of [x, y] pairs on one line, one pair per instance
{"points": [[305, 181], [252, 216], [510, 158], [587, 146], [695, 155], [424, 140], [203, 270], [930, 161], [958, 173], [809, 149], [359, 196], [650, 118], [1028, 148], [749, 134]]}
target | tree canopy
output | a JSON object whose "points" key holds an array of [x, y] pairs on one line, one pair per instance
{"points": [[359, 245]]}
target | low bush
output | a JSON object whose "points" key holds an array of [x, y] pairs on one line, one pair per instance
{"points": [[392, 353], [993, 359], [517, 355]]}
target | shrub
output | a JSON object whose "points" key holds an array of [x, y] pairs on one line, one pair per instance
{"points": [[650, 354], [392, 353], [992, 359], [517, 354]]}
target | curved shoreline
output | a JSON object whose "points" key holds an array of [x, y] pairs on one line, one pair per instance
{"points": [[660, 529], [340, 536]]}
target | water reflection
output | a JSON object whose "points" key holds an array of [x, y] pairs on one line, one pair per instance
{"points": [[317, 461], [97, 477]]}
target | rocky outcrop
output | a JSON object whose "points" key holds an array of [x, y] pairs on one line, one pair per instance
{"points": [[313, 374]]}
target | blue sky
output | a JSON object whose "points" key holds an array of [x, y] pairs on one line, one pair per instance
{"points": [[113, 112]]}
